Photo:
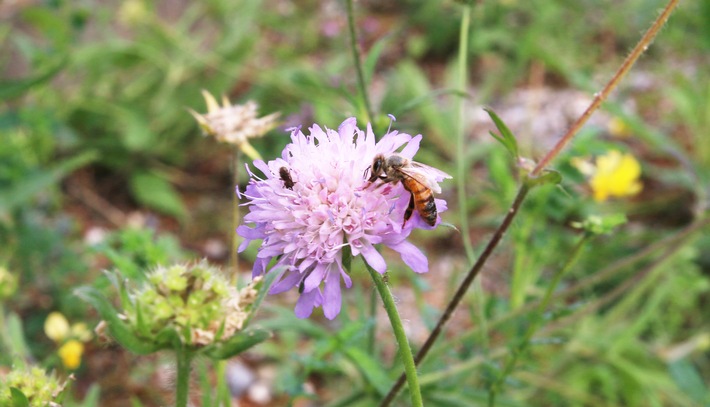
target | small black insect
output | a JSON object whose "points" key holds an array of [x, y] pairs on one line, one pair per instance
{"points": [[286, 178]]}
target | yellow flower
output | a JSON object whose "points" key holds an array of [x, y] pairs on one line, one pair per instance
{"points": [[234, 124], [70, 353], [57, 328], [615, 175]]}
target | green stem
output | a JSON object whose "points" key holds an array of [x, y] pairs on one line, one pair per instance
{"points": [[535, 321], [373, 326], [405, 352], [182, 386], [463, 288], [462, 75], [356, 59], [224, 397], [522, 192]]}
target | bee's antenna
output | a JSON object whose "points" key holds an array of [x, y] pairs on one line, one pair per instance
{"points": [[392, 120]]}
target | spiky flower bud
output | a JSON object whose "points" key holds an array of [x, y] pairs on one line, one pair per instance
{"points": [[193, 300], [36, 387]]}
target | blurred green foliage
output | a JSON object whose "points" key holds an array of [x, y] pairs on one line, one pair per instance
{"points": [[101, 89]]}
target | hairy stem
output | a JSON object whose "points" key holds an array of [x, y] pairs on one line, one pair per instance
{"points": [[405, 352], [182, 385], [357, 61], [599, 97], [461, 291]]}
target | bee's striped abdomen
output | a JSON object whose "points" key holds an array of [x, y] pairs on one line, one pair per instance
{"points": [[426, 207], [423, 201]]}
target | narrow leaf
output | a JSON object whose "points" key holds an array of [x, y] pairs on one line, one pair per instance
{"points": [[263, 288], [10, 89], [506, 137], [39, 181], [372, 57], [547, 177], [117, 327], [237, 344], [15, 339], [157, 193], [92, 396], [370, 369]]}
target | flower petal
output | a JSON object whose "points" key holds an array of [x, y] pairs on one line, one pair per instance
{"points": [[412, 147], [412, 256], [285, 283], [56, 326], [332, 301], [306, 302], [373, 257]]}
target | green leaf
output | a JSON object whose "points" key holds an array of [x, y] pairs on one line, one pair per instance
{"points": [[601, 225], [18, 398], [14, 339], [92, 396], [237, 344], [689, 380], [136, 132], [372, 57], [157, 193], [263, 289], [547, 177], [371, 370], [429, 97], [120, 331], [13, 88], [506, 137], [39, 181]]}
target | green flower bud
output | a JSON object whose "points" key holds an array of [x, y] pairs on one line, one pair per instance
{"points": [[195, 302], [35, 386]]}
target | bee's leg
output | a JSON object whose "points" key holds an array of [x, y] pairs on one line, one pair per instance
{"points": [[410, 209], [367, 170]]}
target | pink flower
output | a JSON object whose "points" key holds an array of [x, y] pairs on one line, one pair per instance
{"points": [[314, 203]]}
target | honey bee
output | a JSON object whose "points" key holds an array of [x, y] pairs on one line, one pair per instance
{"points": [[286, 178], [416, 178]]}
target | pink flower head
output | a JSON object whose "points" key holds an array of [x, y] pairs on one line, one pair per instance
{"points": [[315, 201]]}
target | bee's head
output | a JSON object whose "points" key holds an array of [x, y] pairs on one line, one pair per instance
{"points": [[376, 168]]}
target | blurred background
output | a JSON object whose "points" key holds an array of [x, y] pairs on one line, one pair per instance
{"points": [[102, 167]]}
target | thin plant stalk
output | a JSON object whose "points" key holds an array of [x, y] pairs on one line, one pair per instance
{"points": [[182, 384], [640, 47], [674, 241], [405, 352], [357, 60], [600, 97], [224, 396], [373, 326], [536, 320], [461, 161], [461, 291], [666, 248]]}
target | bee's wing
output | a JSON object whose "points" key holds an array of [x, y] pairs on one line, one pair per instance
{"points": [[422, 176], [430, 171]]}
